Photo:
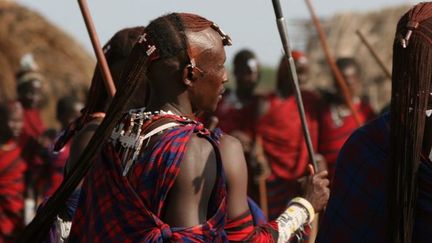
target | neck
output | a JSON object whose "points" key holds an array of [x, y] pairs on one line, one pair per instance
{"points": [[244, 96], [180, 105]]}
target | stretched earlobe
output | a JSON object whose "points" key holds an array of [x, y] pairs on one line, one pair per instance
{"points": [[186, 77]]}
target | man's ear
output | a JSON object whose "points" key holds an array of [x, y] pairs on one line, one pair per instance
{"points": [[190, 73], [187, 77]]}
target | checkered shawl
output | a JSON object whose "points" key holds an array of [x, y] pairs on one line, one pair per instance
{"points": [[357, 209], [114, 208]]}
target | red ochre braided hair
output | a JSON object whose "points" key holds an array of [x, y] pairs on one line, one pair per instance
{"points": [[411, 85], [116, 51], [163, 38]]}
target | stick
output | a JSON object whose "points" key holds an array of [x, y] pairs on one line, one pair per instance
{"points": [[374, 54], [102, 63], [262, 187], [330, 60], [283, 32]]}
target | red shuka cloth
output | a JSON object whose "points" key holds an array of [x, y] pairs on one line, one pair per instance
{"points": [[236, 117], [33, 128], [12, 169], [282, 135], [33, 125], [332, 137]]}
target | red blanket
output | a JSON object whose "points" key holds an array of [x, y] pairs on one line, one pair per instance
{"points": [[282, 135], [12, 170]]}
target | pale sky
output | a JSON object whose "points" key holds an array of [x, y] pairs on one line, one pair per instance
{"points": [[250, 23]]}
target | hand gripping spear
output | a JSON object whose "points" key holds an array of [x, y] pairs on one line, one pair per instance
{"points": [[38, 229], [283, 32]]}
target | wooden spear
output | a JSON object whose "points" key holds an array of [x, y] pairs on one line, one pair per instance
{"points": [[330, 60], [37, 230], [374, 54], [102, 63]]}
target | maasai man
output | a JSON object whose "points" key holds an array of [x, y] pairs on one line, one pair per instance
{"points": [[336, 120], [29, 89], [78, 133], [12, 169], [382, 189], [237, 111], [162, 176], [283, 141], [30, 94]]}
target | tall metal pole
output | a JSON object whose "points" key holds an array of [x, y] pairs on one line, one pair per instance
{"points": [[283, 32]]}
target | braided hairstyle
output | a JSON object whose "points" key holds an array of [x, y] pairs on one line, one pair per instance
{"points": [[164, 37], [116, 51], [411, 86]]}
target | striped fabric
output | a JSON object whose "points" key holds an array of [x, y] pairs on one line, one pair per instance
{"points": [[12, 169], [113, 208], [279, 193], [242, 229], [357, 208]]}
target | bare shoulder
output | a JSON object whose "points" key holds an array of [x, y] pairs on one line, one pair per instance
{"points": [[233, 158], [199, 154], [199, 145]]}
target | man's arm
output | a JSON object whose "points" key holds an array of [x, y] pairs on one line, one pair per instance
{"points": [[296, 215]]}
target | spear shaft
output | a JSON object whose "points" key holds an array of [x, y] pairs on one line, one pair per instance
{"points": [[374, 54], [283, 32], [330, 60], [101, 60]]}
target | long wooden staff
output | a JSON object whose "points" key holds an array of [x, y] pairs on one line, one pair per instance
{"points": [[102, 63], [283, 32], [374, 54], [37, 230], [335, 70], [261, 180]]}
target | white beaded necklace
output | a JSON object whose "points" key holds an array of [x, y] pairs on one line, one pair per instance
{"points": [[131, 140]]}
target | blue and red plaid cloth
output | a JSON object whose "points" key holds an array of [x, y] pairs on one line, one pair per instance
{"points": [[357, 208], [114, 208]]}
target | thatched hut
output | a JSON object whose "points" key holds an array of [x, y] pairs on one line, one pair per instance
{"points": [[66, 65]]}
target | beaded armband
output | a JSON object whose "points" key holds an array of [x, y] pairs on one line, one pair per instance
{"points": [[298, 213], [306, 205]]}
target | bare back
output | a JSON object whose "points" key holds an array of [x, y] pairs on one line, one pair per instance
{"points": [[187, 202]]}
